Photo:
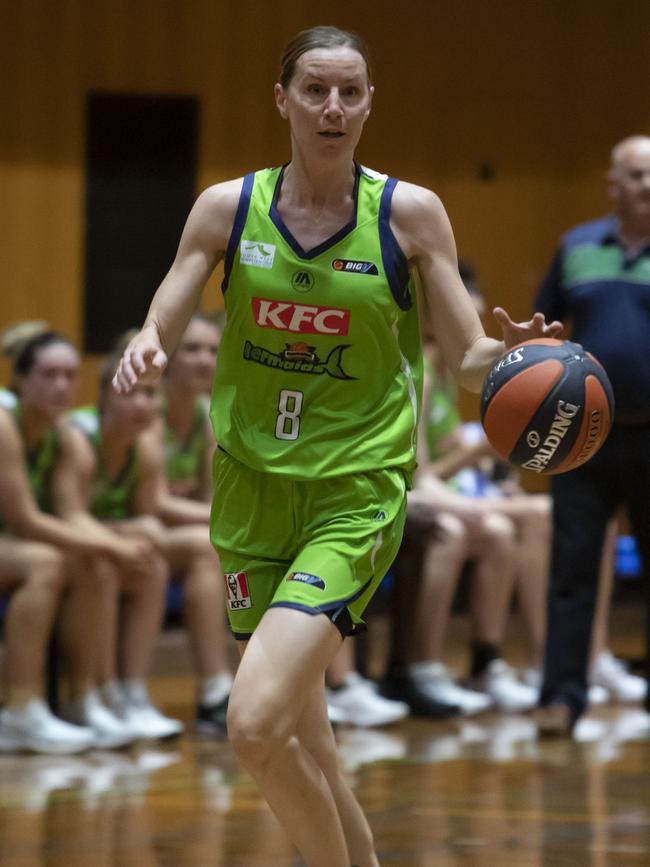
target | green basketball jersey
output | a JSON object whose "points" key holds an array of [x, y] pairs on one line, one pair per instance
{"points": [[111, 499], [442, 417], [319, 368], [184, 461], [40, 463]]}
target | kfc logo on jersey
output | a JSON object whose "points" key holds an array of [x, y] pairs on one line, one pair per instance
{"points": [[237, 591], [300, 318]]}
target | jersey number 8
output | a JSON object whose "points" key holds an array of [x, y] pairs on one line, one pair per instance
{"points": [[287, 426]]}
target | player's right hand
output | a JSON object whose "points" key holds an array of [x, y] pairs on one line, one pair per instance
{"points": [[143, 361]]}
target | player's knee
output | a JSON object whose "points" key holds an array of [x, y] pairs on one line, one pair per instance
{"points": [[252, 737], [452, 534], [47, 567], [500, 533]]}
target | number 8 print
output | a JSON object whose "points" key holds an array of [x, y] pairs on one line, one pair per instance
{"points": [[287, 426]]}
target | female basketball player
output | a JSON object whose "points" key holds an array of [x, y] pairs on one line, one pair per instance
{"points": [[315, 408]]}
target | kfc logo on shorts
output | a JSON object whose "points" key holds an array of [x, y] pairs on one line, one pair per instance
{"points": [[300, 318], [237, 591]]}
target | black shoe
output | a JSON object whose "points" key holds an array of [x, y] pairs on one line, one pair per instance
{"points": [[404, 688], [211, 719]]}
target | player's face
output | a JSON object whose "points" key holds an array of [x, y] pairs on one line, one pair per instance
{"points": [[192, 365], [630, 182], [136, 411], [327, 101], [51, 383]]}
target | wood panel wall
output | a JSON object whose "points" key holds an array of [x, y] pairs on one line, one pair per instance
{"points": [[508, 109]]}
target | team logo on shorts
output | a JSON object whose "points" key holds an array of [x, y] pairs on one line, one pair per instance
{"points": [[306, 578], [237, 591]]}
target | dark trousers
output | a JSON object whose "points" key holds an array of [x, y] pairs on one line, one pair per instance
{"points": [[583, 502]]}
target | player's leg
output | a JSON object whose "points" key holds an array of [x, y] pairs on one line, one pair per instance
{"points": [[583, 502], [444, 555], [492, 546], [284, 662], [34, 576], [637, 486], [196, 563], [316, 736], [532, 517]]}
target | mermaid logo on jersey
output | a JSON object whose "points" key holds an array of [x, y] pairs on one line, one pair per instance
{"points": [[299, 358]]}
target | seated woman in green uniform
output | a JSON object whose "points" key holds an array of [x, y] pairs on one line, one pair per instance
{"points": [[502, 531], [44, 559], [118, 453], [189, 447]]}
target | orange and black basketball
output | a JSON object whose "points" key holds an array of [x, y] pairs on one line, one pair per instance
{"points": [[547, 405]]}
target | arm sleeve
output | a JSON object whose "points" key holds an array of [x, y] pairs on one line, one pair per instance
{"points": [[550, 299]]}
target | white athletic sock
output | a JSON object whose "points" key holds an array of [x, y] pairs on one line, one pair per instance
{"points": [[112, 693], [213, 690], [135, 692]]}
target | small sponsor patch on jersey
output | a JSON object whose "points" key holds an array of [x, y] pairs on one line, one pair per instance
{"points": [[237, 591], [300, 318], [379, 516], [354, 266], [302, 281], [257, 253], [306, 578]]}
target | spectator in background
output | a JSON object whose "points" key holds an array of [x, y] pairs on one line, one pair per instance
{"points": [[600, 281], [42, 552], [189, 447], [502, 532]]}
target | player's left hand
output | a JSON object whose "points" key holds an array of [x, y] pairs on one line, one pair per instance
{"points": [[517, 332]]}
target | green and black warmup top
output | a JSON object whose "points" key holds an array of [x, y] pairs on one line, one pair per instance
{"points": [[111, 498], [40, 462], [184, 461]]}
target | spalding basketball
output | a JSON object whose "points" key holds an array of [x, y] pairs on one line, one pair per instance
{"points": [[547, 405]]}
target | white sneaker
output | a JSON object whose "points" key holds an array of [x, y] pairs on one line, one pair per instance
{"points": [[435, 681], [34, 727], [357, 702], [597, 695], [611, 673], [109, 730], [148, 723], [500, 682]]}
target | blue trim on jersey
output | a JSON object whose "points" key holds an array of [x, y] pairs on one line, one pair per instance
{"points": [[395, 264], [238, 226], [279, 223], [241, 636]]}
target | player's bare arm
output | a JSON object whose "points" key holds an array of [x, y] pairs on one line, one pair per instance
{"points": [[424, 233], [202, 246]]}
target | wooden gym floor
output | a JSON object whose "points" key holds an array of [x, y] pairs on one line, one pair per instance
{"points": [[471, 793]]}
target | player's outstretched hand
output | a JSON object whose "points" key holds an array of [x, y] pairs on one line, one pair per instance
{"points": [[143, 361], [517, 332]]}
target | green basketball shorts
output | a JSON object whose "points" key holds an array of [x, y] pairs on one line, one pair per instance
{"points": [[320, 546]]}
